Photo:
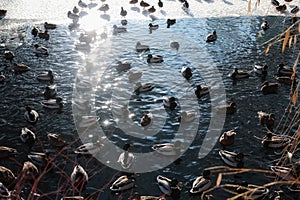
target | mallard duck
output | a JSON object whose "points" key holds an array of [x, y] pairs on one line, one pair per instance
{"points": [[124, 22], [160, 4], [265, 25], [201, 90], [39, 159], [29, 171], [143, 87], [44, 35], [104, 8], [19, 68], [170, 102], [79, 177], [187, 116], [230, 108], [123, 66], [269, 88], [227, 138], [7, 177], [88, 121], [2, 13], [45, 76], [31, 116], [137, 196], [75, 10], [186, 72], [285, 173], [212, 37], [251, 191], [284, 70], [126, 159], [40, 50], [168, 186], [82, 4], [56, 140], [239, 74], [35, 31], [9, 55], [232, 159], [50, 26], [123, 12], [56, 103], [275, 141], [266, 119], [141, 47], [281, 8], [73, 16], [167, 149], [133, 2], [174, 44], [170, 22], [134, 75], [295, 10], [50, 91], [6, 152], [146, 120], [119, 29], [275, 2], [144, 4], [285, 79], [154, 58], [201, 183], [122, 183], [91, 147], [260, 70], [153, 27], [152, 9], [27, 136]]}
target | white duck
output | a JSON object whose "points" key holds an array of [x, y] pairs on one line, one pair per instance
{"points": [[126, 159], [31, 116], [168, 149]]}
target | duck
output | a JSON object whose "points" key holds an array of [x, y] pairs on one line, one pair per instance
{"points": [[153, 27], [73, 16], [88, 121], [168, 186], [49, 26], [146, 120], [4, 192], [9, 55], [144, 4], [134, 75], [31, 116], [227, 138], [75, 10], [154, 58], [170, 102], [295, 10], [281, 8], [143, 87], [201, 90], [232, 159], [141, 47], [160, 4], [124, 22], [40, 50], [122, 183], [56, 140], [45, 76], [6, 152], [126, 158], [187, 116], [152, 9], [283, 70], [35, 31], [86, 38], [260, 70], [133, 2], [91, 147], [79, 177], [186, 72], [123, 66], [202, 183], [174, 44], [185, 5], [285, 173], [212, 37], [72, 198], [29, 171], [275, 3], [137, 196], [82, 4], [27, 136], [7, 177], [44, 35], [230, 108], [170, 22], [19, 68], [2, 13], [239, 74], [39, 159], [123, 12], [265, 25], [104, 8], [56, 103], [275, 141], [118, 29], [167, 149], [269, 88], [286, 80], [253, 191], [2, 77], [50, 91], [267, 119]]}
